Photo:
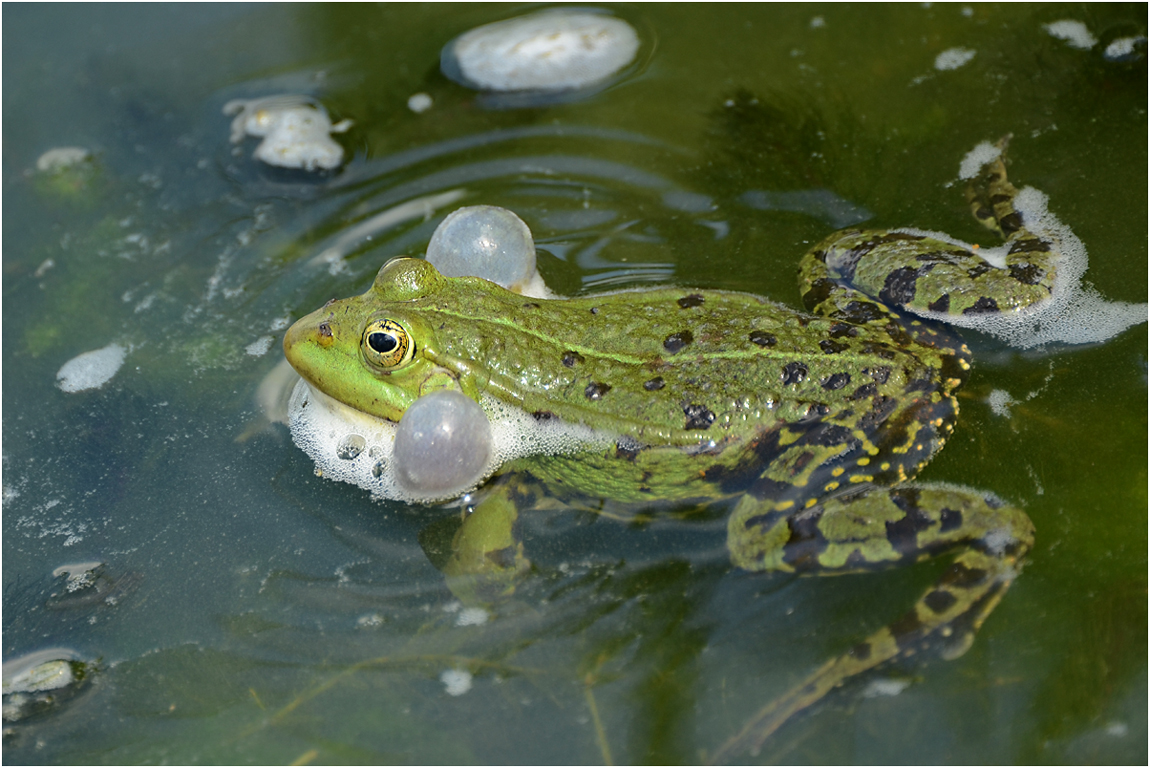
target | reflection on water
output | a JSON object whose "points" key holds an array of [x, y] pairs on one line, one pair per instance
{"points": [[237, 608]]}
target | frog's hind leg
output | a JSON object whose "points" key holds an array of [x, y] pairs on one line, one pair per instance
{"points": [[887, 526], [932, 274]]}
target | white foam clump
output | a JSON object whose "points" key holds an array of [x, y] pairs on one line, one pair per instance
{"points": [[472, 617], [59, 158], [1074, 313], [953, 58], [295, 131], [419, 102], [358, 448], [1074, 33], [547, 51], [1124, 48], [91, 370], [456, 681], [974, 160]]}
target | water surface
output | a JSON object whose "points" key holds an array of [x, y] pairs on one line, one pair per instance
{"points": [[262, 614]]}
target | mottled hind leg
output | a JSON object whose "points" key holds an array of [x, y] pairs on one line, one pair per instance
{"points": [[931, 273], [907, 523]]}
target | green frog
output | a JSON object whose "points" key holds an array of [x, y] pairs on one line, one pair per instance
{"points": [[815, 423]]}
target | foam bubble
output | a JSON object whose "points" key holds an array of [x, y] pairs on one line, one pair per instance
{"points": [[91, 370]]}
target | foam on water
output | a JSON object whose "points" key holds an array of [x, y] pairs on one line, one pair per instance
{"points": [[324, 428], [91, 370]]}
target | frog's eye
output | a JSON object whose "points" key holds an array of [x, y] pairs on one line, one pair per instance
{"points": [[386, 345]]}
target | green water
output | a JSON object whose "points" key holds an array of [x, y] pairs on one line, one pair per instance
{"points": [[260, 614]]}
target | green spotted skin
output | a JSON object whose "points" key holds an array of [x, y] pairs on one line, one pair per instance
{"points": [[816, 423]]}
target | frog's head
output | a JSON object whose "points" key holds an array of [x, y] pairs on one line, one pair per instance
{"points": [[374, 352]]}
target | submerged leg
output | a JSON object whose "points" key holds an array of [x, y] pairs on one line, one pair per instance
{"points": [[487, 561], [877, 527]]}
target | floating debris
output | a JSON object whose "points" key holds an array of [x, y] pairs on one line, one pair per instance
{"points": [[295, 131], [548, 51], [40, 681]]}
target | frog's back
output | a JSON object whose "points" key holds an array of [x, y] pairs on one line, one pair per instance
{"points": [[671, 366]]}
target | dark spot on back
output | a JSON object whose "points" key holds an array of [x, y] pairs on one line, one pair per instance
{"points": [[819, 292], [763, 339], [831, 347], [836, 381], [860, 312], [899, 288], [1027, 274], [596, 389], [626, 452], [531, 305], [941, 304], [982, 306], [978, 270], [838, 330], [325, 330], [692, 300], [677, 341], [1029, 245], [654, 384], [795, 372], [543, 416], [698, 416], [571, 358]]}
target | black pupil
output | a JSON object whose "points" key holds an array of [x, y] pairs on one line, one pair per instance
{"points": [[382, 342]]}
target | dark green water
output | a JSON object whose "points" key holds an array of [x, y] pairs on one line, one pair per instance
{"points": [[261, 614]]}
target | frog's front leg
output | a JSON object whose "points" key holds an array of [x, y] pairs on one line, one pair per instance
{"points": [[875, 527], [487, 560]]}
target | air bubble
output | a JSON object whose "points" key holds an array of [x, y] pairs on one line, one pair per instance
{"points": [[350, 447]]}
